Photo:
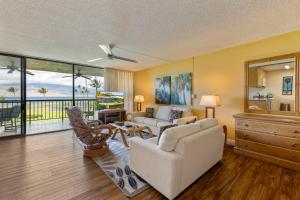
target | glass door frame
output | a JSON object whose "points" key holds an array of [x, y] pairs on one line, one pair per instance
{"points": [[23, 96]]}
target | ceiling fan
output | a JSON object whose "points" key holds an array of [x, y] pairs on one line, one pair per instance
{"points": [[77, 75], [11, 68], [108, 51]]}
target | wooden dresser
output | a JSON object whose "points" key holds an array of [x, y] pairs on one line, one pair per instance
{"points": [[271, 138]]}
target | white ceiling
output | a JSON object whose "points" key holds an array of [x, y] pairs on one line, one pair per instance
{"points": [[167, 30]]}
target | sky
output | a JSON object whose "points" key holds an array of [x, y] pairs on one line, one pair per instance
{"points": [[56, 83]]}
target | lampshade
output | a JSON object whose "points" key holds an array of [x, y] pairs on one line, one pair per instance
{"points": [[139, 98], [210, 101]]}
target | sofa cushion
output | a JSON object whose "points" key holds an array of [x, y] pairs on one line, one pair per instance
{"points": [[207, 123], [152, 140], [170, 137], [163, 112], [139, 119], [150, 121], [161, 123]]}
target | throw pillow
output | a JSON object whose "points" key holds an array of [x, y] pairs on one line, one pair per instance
{"points": [[162, 129], [175, 114], [149, 112], [163, 113]]}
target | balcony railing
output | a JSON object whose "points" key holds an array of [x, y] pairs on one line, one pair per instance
{"points": [[47, 109]]}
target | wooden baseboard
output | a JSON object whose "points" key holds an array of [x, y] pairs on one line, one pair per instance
{"points": [[274, 160]]}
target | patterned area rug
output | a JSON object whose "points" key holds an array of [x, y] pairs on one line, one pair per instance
{"points": [[115, 165]]}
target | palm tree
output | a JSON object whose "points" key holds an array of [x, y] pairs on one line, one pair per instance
{"points": [[85, 91], [96, 83], [12, 90], [43, 91]]}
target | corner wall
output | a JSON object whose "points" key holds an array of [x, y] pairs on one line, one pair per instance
{"points": [[220, 72]]}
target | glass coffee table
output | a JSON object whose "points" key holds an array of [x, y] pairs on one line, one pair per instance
{"points": [[130, 129]]}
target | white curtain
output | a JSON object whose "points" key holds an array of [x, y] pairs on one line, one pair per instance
{"points": [[120, 81]]}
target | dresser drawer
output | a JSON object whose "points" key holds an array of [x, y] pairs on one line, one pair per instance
{"points": [[269, 150], [274, 140], [272, 128]]}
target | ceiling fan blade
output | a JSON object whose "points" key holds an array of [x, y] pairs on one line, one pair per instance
{"points": [[93, 60], [106, 49], [67, 76], [87, 77], [122, 58], [30, 73], [11, 71]]}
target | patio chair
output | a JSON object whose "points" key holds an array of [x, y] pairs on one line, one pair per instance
{"points": [[8, 117], [91, 135]]}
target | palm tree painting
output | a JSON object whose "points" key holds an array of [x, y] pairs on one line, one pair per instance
{"points": [[181, 89], [287, 85], [163, 90]]}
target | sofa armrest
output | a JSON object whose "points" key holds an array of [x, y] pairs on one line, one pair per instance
{"points": [[200, 152], [184, 120], [138, 114], [131, 116], [152, 163]]}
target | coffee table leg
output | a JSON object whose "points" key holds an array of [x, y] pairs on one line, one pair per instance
{"points": [[124, 138], [115, 133]]}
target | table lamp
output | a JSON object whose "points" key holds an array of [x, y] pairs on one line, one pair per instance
{"points": [[139, 99], [210, 102]]}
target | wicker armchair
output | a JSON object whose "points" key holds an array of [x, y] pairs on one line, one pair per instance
{"points": [[91, 135]]}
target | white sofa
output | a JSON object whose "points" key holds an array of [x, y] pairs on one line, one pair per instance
{"points": [[162, 117], [183, 154]]}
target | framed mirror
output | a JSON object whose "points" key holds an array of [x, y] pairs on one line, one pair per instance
{"points": [[272, 85]]}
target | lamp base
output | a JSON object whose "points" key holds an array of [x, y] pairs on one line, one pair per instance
{"points": [[213, 111], [139, 107]]}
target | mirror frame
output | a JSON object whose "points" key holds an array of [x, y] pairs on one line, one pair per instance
{"points": [[296, 56]]}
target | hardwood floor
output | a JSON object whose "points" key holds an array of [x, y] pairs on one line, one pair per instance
{"points": [[51, 166]]}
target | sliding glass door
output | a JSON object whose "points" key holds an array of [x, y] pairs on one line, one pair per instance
{"points": [[49, 92], [10, 95], [34, 93], [88, 82]]}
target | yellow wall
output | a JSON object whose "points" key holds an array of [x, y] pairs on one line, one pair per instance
{"points": [[220, 72]]}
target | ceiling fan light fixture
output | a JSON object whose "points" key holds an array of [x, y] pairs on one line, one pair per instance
{"points": [[105, 49]]}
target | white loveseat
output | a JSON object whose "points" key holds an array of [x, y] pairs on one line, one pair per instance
{"points": [[161, 117], [183, 154]]}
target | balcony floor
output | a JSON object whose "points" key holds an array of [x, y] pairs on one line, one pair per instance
{"points": [[38, 127]]}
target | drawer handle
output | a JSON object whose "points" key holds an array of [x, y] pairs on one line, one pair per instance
{"points": [[295, 131], [294, 145], [246, 125]]}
